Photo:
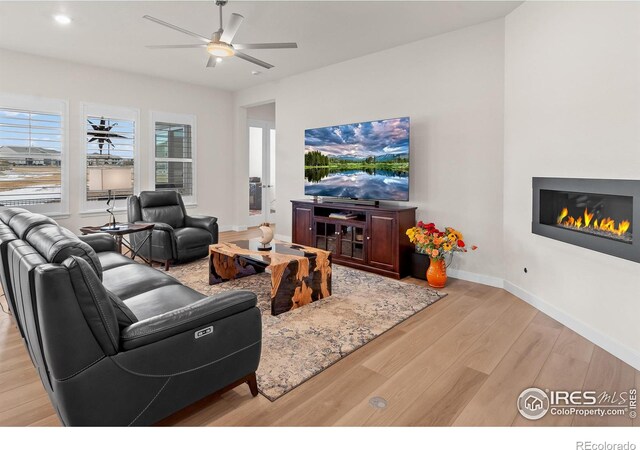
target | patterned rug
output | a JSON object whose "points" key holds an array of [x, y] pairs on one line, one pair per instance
{"points": [[302, 343]]}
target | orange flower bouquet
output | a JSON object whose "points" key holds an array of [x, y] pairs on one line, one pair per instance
{"points": [[430, 240], [436, 244]]}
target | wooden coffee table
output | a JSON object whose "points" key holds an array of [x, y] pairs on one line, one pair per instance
{"points": [[299, 275]]}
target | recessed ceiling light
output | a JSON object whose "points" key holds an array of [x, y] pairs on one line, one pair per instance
{"points": [[255, 72], [62, 19], [218, 59]]}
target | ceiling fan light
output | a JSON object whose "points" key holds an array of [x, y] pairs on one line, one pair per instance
{"points": [[220, 49], [62, 19]]}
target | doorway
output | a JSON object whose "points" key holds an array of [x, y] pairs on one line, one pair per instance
{"points": [[262, 163]]}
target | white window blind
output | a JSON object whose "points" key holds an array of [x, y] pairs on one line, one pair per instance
{"points": [[174, 157], [31, 157]]}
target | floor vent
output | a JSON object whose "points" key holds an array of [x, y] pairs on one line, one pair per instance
{"points": [[378, 402]]}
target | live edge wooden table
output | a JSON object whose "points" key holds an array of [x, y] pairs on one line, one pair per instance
{"points": [[299, 275], [125, 229]]}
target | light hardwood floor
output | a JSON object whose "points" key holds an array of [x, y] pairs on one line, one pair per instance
{"points": [[462, 361]]}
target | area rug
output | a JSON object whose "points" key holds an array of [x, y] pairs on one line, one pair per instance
{"points": [[302, 343]]}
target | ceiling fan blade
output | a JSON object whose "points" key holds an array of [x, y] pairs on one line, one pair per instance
{"points": [[232, 28], [181, 30], [251, 59], [211, 62], [158, 47], [273, 45]]}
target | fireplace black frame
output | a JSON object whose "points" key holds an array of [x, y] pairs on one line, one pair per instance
{"points": [[629, 188]]}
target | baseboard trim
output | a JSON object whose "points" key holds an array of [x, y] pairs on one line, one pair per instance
{"points": [[283, 237], [223, 228], [613, 346], [476, 278]]}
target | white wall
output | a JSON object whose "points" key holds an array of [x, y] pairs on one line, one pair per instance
{"points": [[572, 109], [452, 88], [36, 76], [265, 113]]}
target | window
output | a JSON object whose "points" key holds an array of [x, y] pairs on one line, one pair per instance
{"points": [[174, 154], [32, 154], [110, 142]]}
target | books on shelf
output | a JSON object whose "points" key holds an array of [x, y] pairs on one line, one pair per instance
{"points": [[342, 215]]}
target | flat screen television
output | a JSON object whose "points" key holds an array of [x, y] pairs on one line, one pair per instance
{"points": [[365, 160]]}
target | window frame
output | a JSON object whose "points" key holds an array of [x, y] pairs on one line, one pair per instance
{"points": [[51, 106], [95, 207], [178, 119]]}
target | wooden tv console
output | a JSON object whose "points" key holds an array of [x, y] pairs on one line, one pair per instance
{"points": [[374, 240]]}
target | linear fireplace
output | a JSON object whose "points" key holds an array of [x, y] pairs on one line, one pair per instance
{"points": [[595, 214]]}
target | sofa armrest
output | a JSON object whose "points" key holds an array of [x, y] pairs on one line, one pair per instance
{"points": [[205, 222], [202, 312], [100, 242], [164, 241], [159, 226]]}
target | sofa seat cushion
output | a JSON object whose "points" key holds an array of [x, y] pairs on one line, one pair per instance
{"points": [[110, 260], [130, 280], [161, 300]]}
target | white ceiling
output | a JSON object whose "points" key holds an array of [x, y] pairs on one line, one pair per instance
{"points": [[114, 35]]}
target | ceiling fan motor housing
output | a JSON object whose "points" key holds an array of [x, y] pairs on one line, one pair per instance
{"points": [[221, 49]]}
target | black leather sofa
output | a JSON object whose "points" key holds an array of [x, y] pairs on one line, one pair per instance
{"points": [[116, 342], [177, 237]]}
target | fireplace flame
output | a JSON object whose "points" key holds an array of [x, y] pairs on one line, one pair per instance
{"points": [[564, 213], [607, 224], [587, 217], [624, 226]]}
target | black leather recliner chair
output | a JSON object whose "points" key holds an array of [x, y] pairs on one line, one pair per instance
{"points": [[177, 237], [116, 342]]}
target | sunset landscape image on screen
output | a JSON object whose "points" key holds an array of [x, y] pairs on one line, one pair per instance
{"points": [[368, 160]]}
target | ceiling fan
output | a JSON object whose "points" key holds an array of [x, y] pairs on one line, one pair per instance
{"points": [[220, 45]]}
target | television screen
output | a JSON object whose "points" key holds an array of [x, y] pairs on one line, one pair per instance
{"points": [[367, 160]]}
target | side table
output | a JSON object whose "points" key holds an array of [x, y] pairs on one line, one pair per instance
{"points": [[123, 230]]}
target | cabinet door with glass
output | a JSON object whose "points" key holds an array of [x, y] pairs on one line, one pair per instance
{"points": [[351, 242], [345, 241], [326, 236]]}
